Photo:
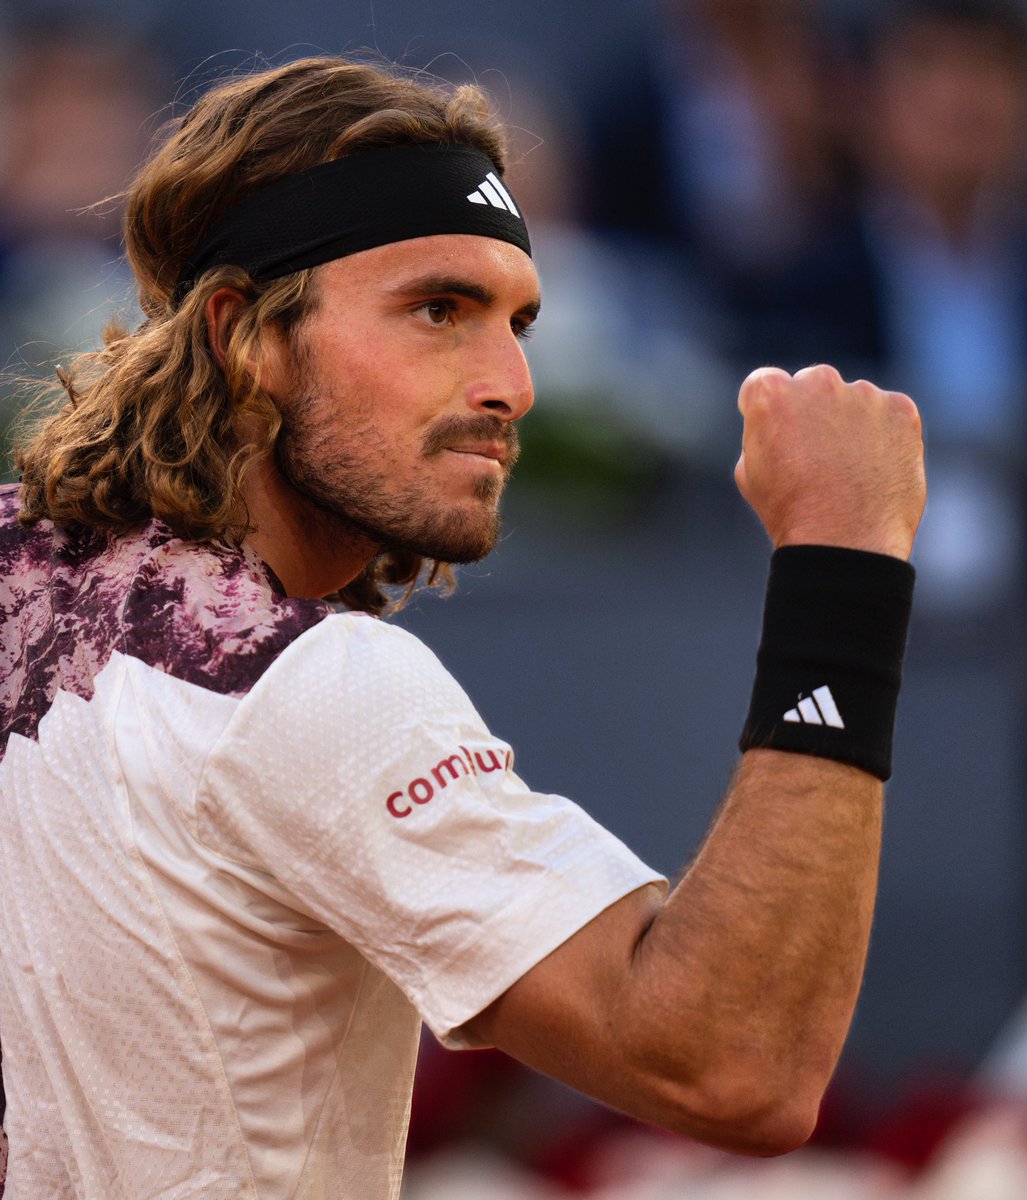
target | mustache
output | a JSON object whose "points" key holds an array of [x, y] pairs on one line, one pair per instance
{"points": [[453, 430]]}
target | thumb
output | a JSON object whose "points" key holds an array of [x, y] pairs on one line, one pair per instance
{"points": [[741, 480]]}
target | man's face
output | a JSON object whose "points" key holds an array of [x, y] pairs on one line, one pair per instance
{"points": [[405, 382]]}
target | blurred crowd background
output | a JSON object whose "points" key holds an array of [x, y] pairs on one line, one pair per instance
{"points": [[711, 185]]}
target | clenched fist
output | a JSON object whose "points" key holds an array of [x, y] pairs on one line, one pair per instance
{"points": [[829, 462]]}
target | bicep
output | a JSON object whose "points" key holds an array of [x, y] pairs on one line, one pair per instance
{"points": [[562, 1016]]}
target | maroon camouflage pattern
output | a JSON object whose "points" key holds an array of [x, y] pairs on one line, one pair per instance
{"points": [[207, 613], [210, 614]]}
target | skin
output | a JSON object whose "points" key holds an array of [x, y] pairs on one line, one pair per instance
{"points": [[399, 395], [720, 1011]]}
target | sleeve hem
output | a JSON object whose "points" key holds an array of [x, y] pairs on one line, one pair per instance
{"points": [[519, 937]]}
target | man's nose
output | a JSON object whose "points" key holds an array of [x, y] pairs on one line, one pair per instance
{"points": [[503, 387]]}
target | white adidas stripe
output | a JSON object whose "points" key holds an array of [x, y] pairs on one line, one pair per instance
{"points": [[507, 198], [816, 709], [494, 198], [826, 704], [491, 191]]}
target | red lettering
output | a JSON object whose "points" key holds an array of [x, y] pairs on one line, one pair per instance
{"points": [[447, 764], [426, 787], [493, 758], [447, 771], [390, 804]]}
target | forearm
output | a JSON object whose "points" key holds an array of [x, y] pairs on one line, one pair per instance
{"points": [[743, 987]]}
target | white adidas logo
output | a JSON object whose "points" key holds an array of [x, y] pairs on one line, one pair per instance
{"points": [[817, 709], [491, 191]]}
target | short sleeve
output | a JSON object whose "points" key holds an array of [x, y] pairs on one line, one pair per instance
{"points": [[359, 776]]}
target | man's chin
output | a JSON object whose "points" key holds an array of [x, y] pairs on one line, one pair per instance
{"points": [[457, 546], [456, 553]]}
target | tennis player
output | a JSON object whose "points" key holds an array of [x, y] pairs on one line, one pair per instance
{"points": [[254, 836]]}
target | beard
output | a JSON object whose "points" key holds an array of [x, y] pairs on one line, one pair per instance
{"points": [[348, 476]]}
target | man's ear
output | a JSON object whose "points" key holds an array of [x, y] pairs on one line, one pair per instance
{"points": [[221, 312], [271, 368]]}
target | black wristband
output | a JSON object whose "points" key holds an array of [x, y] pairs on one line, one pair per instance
{"points": [[830, 660]]}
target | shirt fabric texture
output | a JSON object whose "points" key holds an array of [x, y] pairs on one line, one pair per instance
{"points": [[249, 844]]}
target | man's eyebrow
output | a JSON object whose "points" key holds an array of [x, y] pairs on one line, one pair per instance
{"points": [[453, 285]]}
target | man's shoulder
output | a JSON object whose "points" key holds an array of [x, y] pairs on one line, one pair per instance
{"points": [[211, 613], [355, 642], [355, 667]]}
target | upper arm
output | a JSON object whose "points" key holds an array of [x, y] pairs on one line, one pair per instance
{"points": [[556, 1015], [585, 1015]]}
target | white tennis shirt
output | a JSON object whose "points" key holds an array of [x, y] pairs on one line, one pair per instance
{"points": [[248, 845]]}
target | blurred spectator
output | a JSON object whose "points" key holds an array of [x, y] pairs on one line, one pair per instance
{"points": [[940, 139], [808, 194], [77, 110], [721, 140], [942, 143]]}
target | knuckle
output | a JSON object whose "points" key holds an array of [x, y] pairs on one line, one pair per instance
{"points": [[864, 389], [764, 381], [904, 404], [821, 375], [904, 408]]}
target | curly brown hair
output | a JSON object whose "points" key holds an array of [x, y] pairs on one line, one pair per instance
{"points": [[147, 427]]}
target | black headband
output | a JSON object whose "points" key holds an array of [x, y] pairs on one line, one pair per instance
{"points": [[369, 199]]}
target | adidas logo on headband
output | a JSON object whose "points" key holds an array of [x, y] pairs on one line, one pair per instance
{"points": [[491, 191]]}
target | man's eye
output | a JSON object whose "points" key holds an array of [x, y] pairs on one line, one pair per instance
{"points": [[437, 312]]}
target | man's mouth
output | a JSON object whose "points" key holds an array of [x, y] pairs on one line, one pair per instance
{"points": [[493, 451]]}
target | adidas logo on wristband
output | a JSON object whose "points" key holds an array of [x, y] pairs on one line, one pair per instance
{"points": [[818, 708]]}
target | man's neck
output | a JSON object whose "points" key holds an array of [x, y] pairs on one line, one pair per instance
{"points": [[312, 552]]}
